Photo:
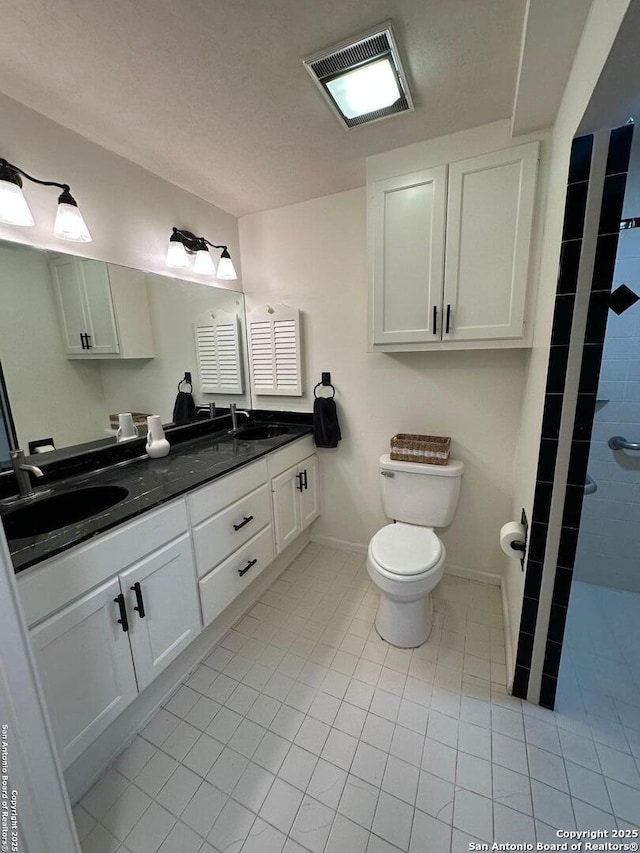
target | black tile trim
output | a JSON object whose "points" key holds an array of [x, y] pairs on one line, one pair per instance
{"points": [[568, 547], [569, 264], [612, 201], [557, 621], [605, 261], [529, 615], [552, 656], [580, 159], [548, 690], [525, 649], [597, 317], [533, 579], [521, 682], [547, 459], [542, 502], [619, 149], [562, 586], [572, 509], [585, 412], [574, 211], [557, 370], [590, 368], [562, 319]]}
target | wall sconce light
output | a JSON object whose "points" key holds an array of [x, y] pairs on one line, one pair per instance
{"points": [[14, 210], [182, 244]]}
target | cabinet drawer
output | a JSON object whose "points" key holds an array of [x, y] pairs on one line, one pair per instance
{"points": [[54, 583], [221, 586], [290, 455], [219, 536], [211, 499]]}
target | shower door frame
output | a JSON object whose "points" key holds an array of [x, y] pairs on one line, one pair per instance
{"points": [[593, 210]]}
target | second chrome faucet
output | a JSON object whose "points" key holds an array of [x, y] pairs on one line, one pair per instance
{"points": [[234, 416]]}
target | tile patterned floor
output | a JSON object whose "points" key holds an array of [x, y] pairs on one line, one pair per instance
{"points": [[599, 681], [303, 731]]}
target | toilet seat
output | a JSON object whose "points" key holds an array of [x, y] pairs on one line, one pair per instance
{"points": [[406, 550]]}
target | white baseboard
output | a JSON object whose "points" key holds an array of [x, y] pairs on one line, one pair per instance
{"points": [[93, 762], [340, 544], [508, 645], [473, 574]]}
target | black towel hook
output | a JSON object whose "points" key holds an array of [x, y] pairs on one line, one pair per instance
{"points": [[186, 380], [325, 382]]}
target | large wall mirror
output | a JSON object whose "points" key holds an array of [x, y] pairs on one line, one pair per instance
{"points": [[63, 385]]}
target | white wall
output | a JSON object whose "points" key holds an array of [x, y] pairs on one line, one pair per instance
{"points": [[313, 256], [129, 211], [601, 29]]}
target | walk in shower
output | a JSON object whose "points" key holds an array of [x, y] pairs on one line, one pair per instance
{"points": [[599, 678]]}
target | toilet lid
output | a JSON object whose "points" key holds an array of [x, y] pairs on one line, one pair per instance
{"points": [[406, 549]]}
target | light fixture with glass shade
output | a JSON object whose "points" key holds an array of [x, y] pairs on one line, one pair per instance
{"points": [[362, 78], [14, 210], [184, 245]]}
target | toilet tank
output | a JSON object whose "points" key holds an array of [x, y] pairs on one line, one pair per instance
{"points": [[420, 494]]}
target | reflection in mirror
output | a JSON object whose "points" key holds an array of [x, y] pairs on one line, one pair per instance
{"points": [[7, 430], [97, 340]]}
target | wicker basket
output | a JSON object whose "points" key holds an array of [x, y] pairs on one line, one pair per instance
{"points": [[427, 449]]}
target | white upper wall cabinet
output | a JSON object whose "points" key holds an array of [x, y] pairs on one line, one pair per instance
{"points": [[408, 246], [489, 222], [449, 253], [103, 308]]}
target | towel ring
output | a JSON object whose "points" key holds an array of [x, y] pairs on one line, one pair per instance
{"points": [[322, 385], [184, 382]]}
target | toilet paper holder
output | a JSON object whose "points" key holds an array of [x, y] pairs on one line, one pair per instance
{"points": [[522, 546]]}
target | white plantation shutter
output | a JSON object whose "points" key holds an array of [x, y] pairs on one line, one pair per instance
{"points": [[218, 351], [274, 350]]}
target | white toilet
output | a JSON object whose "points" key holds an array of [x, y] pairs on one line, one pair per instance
{"points": [[405, 560]]}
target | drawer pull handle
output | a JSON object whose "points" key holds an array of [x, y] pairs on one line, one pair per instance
{"points": [[244, 521], [119, 600], [305, 482], [446, 331], [249, 565], [299, 487], [140, 603], [435, 320]]}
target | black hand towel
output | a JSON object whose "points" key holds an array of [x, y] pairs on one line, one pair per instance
{"points": [[326, 429], [184, 408]]}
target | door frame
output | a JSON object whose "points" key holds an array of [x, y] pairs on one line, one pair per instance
{"points": [[595, 194], [45, 818]]}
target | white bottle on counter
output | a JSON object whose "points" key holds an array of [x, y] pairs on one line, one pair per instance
{"points": [[157, 445]]}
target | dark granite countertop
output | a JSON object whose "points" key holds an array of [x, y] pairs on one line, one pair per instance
{"points": [[150, 482]]}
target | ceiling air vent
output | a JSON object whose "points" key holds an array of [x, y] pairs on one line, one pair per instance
{"points": [[362, 78]]}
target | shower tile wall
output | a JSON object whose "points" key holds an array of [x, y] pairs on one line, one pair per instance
{"points": [[609, 538]]}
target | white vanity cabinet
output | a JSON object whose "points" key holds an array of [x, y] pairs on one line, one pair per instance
{"points": [[108, 616], [85, 665], [103, 309], [295, 489], [94, 650], [162, 603], [232, 535], [449, 252]]}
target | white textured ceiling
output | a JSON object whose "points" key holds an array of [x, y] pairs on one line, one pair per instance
{"points": [[212, 94]]}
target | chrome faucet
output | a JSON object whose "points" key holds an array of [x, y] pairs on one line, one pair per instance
{"points": [[22, 471], [234, 416]]}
